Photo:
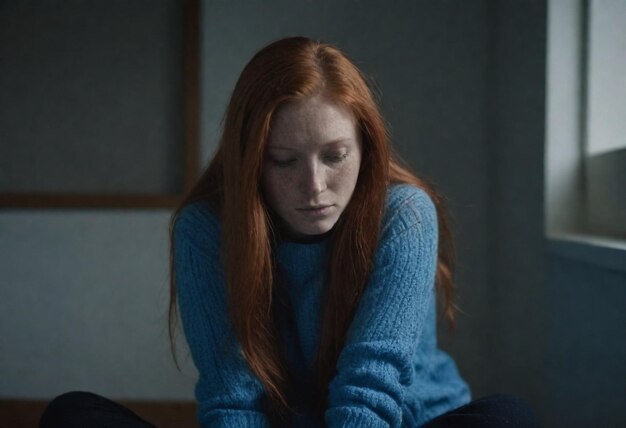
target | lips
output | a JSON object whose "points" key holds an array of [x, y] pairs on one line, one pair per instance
{"points": [[314, 207], [316, 212]]}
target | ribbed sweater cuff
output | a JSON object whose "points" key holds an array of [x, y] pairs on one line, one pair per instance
{"points": [[352, 417]]}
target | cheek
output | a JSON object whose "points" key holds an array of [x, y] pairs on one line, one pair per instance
{"points": [[348, 177]]}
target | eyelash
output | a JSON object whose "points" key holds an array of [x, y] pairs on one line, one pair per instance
{"points": [[332, 159], [337, 158], [283, 164]]}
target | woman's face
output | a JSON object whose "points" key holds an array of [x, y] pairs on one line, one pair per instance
{"points": [[311, 164]]}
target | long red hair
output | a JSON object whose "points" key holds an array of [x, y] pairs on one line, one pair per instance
{"points": [[288, 70]]}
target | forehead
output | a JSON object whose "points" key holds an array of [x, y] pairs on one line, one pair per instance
{"points": [[312, 121]]}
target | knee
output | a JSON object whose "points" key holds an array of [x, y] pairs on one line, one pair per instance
{"points": [[511, 408], [64, 406], [510, 400], [72, 400]]}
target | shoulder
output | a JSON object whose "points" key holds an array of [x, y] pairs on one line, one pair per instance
{"points": [[197, 224], [408, 208]]}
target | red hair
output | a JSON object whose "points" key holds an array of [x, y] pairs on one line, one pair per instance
{"points": [[288, 70]]}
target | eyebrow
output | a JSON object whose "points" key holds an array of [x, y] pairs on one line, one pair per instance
{"points": [[336, 141]]}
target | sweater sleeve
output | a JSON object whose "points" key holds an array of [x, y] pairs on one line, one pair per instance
{"points": [[228, 393], [375, 363]]}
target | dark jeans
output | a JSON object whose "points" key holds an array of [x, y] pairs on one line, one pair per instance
{"points": [[497, 410], [84, 409], [87, 410]]}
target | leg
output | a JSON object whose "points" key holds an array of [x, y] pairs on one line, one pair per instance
{"points": [[84, 409], [493, 411]]}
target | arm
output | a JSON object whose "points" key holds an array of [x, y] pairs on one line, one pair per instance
{"points": [[375, 364], [228, 393]]}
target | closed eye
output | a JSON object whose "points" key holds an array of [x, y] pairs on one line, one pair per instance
{"points": [[336, 158], [282, 162]]}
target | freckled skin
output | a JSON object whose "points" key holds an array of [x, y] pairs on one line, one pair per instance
{"points": [[311, 164]]}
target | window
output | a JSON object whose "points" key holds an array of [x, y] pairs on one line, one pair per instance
{"points": [[604, 51], [586, 119]]}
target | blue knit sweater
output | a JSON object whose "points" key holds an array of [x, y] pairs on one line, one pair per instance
{"points": [[390, 372]]}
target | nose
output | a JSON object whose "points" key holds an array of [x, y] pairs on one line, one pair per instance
{"points": [[313, 180]]}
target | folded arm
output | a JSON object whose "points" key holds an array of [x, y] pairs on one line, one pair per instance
{"points": [[228, 393], [375, 364]]}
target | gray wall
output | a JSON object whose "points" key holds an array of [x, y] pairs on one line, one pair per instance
{"points": [[586, 364], [83, 293], [463, 86], [515, 236], [91, 96], [84, 299]]}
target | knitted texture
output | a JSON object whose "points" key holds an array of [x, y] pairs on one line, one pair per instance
{"points": [[390, 372]]}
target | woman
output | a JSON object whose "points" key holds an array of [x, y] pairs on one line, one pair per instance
{"points": [[305, 260]]}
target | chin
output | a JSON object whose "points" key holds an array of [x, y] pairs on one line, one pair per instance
{"points": [[317, 229]]}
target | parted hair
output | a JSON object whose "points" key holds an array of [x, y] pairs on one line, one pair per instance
{"points": [[288, 70]]}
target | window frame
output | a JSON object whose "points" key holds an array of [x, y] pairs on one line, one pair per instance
{"points": [[572, 177]]}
